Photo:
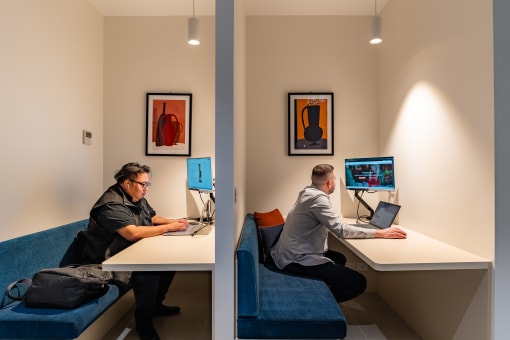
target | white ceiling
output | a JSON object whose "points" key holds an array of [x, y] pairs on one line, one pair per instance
{"points": [[252, 7]]}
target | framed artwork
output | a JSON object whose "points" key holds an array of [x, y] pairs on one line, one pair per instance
{"points": [[168, 124], [310, 124]]}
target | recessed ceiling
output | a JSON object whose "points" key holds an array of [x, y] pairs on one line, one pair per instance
{"points": [[252, 7]]}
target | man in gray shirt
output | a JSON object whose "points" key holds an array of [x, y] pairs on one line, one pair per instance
{"points": [[302, 248]]}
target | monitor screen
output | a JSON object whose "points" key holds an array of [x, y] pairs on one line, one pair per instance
{"points": [[199, 174], [375, 173]]}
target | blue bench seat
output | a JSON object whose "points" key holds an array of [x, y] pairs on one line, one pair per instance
{"points": [[275, 305], [22, 257]]}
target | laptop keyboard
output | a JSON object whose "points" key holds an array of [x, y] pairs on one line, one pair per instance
{"points": [[193, 227]]}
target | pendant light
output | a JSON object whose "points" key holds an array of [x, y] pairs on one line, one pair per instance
{"points": [[376, 27], [193, 29]]}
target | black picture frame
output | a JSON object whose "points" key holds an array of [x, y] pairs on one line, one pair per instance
{"points": [[310, 124], [168, 124]]}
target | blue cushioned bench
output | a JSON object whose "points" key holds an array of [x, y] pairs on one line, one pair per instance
{"points": [[22, 257], [274, 305]]}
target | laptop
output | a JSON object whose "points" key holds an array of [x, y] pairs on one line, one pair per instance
{"points": [[383, 217], [193, 228]]}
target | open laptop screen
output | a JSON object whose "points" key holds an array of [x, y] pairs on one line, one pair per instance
{"points": [[384, 214]]}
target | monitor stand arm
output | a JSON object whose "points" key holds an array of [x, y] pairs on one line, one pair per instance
{"points": [[205, 216], [365, 204], [206, 211]]}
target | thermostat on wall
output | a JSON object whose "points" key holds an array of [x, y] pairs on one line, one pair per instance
{"points": [[87, 137]]}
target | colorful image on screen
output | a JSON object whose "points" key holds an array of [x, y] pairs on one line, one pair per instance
{"points": [[375, 173]]}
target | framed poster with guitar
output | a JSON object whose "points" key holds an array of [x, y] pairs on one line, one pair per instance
{"points": [[168, 124]]}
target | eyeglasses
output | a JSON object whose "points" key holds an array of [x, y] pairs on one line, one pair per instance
{"points": [[143, 184]]}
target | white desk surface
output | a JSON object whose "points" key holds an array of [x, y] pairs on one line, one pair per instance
{"points": [[164, 253], [416, 252]]}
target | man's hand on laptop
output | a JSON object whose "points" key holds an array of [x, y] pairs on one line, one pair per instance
{"points": [[176, 225], [391, 232]]}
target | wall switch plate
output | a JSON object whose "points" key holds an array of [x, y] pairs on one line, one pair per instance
{"points": [[87, 137]]}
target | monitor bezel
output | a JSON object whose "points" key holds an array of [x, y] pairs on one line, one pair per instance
{"points": [[208, 163], [369, 160]]}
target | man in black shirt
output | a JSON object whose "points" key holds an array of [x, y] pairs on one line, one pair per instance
{"points": [[119, 218]]}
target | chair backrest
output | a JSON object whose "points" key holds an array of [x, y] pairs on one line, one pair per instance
{"points": [[23, 256], [248, 270]]}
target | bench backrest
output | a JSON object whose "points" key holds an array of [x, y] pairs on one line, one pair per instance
{"points": [[23, 256], [248, 270]]}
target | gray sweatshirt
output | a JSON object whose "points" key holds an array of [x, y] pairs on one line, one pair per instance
{"points": [[304, 238]]}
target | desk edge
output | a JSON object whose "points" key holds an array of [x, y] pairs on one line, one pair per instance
{"points": [[482, 264]]}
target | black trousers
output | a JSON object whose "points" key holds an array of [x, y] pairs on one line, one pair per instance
{"points": [[149, 289], [343, 282]]}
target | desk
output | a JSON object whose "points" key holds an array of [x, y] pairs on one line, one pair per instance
{"points": [[430, 273], [167, 253], [416, 252]]}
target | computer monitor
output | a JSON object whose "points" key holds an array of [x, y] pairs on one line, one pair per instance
{"points": [[199, 174], [370, 174]]}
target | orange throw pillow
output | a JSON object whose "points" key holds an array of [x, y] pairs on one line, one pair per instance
{"points": [[268, 219]]}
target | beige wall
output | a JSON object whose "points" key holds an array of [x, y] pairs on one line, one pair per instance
{"points": [[437, 118], [425, 96], [52, 81], [55, 85], [150, 54], [306, 54], [51, 88]]}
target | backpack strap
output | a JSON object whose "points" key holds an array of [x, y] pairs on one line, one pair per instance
{"points": [[14, 286]]}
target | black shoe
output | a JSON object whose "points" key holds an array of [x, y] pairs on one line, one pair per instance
{"points": [[147, 332], [163, 310]]}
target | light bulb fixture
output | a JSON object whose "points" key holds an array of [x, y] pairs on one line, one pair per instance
{"points": [[193, 29], [376, 27]]}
